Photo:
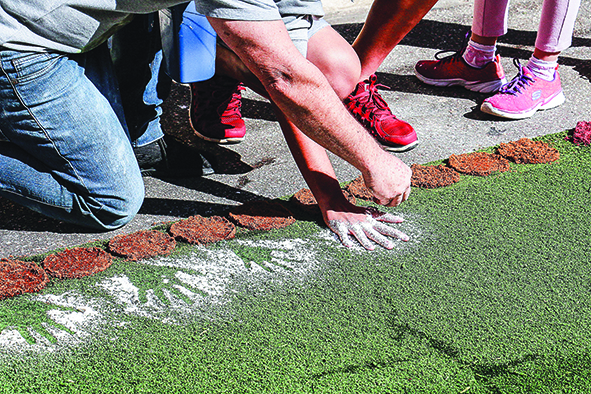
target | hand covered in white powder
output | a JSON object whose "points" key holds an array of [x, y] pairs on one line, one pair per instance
{"points": [[367, 225]]}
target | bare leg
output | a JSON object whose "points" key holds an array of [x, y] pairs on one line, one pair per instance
{"points": [[387, 23], [483, 40], [546, 56], [340, 65]]}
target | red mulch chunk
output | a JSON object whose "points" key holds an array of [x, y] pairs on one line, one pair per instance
{"points": [[77, 263], [305, 199], [142, 244], [200, 230], [430, 177], [358, 189], [526, 151], [479, 163], [261, 215], [582, 134], [18, 277], [350, 197]]}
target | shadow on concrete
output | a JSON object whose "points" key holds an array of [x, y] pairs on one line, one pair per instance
{"points": [[452, 37], [18, 218], [255, 109], [180, 208], [215, 188]]}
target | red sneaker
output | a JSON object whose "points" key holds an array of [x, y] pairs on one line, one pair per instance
{"points": [[371, 110], [215, 110], [454, 71]]}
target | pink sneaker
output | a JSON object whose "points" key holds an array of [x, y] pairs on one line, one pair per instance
{"points": [[524, 95]]}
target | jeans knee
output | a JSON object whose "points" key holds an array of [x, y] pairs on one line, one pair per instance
{"points": [[119, 210]]}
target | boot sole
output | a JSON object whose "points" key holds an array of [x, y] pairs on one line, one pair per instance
{"points": [[479, 87], [223, 141]]}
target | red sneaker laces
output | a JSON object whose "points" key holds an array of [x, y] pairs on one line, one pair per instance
{"points": [[373, 106], [222, 94], [235, 104]]}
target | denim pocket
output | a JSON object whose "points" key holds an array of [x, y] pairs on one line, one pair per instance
{"points": [[30, 66]]}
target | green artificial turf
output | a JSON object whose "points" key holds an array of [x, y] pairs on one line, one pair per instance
{"points": [[490, 295]]}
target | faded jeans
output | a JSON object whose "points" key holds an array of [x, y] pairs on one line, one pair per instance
{"points": [[64, 151]]}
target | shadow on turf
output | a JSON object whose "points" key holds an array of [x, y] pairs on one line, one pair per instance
{"points": [[484, 373], [502, 376]]}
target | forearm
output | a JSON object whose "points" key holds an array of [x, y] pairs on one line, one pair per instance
{"points": [[314, 165], [341, 216], [299, 89]]}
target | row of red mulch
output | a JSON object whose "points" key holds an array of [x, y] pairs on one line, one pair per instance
{"points": [[18, 277], [523, 151]]}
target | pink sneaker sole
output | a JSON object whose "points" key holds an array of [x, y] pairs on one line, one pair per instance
{"points": [[555, 101]]}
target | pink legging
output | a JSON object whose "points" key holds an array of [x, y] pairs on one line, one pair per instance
{"points": [[554, 32]]}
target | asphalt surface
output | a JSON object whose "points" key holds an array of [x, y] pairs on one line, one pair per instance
{"points": [[447, 121]]}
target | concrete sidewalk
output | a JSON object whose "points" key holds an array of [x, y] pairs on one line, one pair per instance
{"points": [[447, 121]]}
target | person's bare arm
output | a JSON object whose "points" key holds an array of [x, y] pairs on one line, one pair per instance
{"points": [[342, 217], [367, 225], [304, 95]]}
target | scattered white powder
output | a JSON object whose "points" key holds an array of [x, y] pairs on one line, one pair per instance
{"points": [[204, 279], [10, 339], [79, 324], [202, 284]]}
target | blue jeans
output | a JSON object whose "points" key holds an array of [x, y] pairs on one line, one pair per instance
{"points": [[63, 149]]}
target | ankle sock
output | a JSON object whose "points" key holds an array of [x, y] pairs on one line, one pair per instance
{"points": [[542, 69], [478, 55]]}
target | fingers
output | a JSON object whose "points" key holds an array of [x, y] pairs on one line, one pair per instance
{"points": [[372, 229], [375, 236], [358, 231], [342, 231], [394, 202], [399, 198], [406, 194], [392, 232]]}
